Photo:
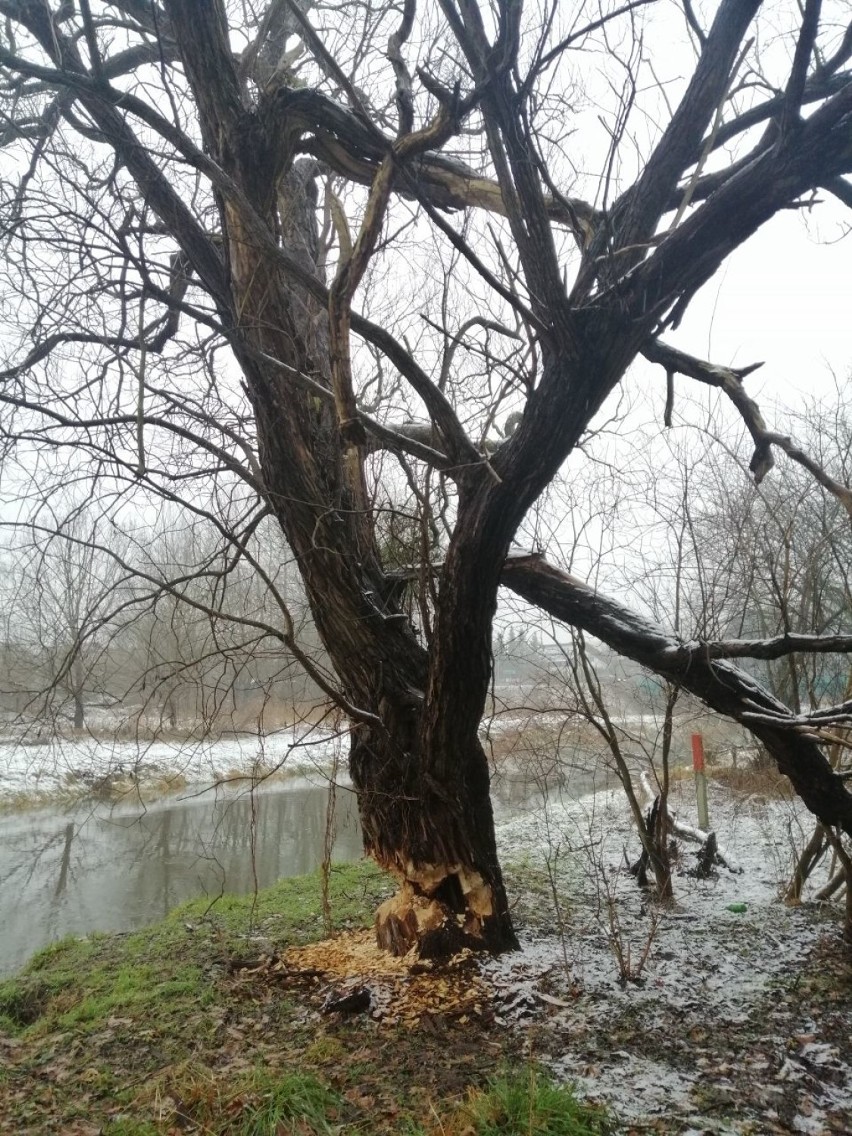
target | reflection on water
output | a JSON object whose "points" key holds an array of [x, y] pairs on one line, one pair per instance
{"points": [[107, 869], [102, 868]]}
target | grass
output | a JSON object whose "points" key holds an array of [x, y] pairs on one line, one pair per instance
{"points": [[259, 1102], [152, 1033], [26, 800], [78, 980], [764, 780], [525, 1103], [295, 1099]]}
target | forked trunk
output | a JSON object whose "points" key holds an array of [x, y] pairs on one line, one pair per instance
{"points": [[418, 768], [424, 802]]}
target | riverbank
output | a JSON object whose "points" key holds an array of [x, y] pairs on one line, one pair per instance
{"points": [[40, 767], [189, 1027], [727, 1014], [98, 866], [55, 769]]}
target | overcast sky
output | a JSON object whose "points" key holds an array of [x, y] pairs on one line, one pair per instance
{"points": [[785, 298]]}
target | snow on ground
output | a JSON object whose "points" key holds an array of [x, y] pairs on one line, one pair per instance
{"points": [[715, 1036], [39, 763], [40, 767]]}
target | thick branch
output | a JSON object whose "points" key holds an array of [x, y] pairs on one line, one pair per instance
{"points": [[775, 648], [775, 177], [801, 61], [720, 685], [817, 89], [639, 210], [209, 65], [841, 189], [340, 139]]}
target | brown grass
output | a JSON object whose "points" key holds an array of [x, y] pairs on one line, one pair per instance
{"points": [[768, 782]]}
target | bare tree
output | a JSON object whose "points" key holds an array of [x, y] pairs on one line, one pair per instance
{"points": [[195, 192], [58, 585], [193, 636]]}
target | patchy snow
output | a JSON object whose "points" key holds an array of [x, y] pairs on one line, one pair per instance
{"points": [[41, 763], [705, 1038], [55, 763]]}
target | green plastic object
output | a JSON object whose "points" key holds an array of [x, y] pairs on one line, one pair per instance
{"points": [[738, 908]]}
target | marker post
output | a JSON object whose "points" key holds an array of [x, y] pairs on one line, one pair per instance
{"points": [[700, 781]]}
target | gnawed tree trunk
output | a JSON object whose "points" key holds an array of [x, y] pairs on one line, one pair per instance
{"points": [[437, 839], [418, 768], [435, 835], [429, 825]]}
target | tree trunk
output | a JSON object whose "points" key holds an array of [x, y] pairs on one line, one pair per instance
{"points": [[807, 861], [76, 687], [417, 764], [79, 711], [437, 839], [434, 833]]}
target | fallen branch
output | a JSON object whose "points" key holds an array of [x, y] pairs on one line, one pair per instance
{"points": [[722, 686], [689, 832]]}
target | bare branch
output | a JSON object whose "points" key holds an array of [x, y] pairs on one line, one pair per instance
{"points": [[801, 61], [730, 380]]}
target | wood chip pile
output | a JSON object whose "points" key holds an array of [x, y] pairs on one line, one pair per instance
{"points": [[401, 990]]}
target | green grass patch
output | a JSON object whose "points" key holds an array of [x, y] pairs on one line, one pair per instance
{"points": [[126, 1127], [256, 1102], [111, 1013], [162, 969], [291, 909], [295, 1102], [528, 1103]]}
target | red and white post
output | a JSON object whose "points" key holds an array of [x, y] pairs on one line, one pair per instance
{"points": [[700, 781]]}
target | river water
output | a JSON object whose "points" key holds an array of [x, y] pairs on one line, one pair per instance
{"points": [[101, 867]]}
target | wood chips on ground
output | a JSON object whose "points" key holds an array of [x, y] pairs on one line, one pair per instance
{"points": [[402, 990]]}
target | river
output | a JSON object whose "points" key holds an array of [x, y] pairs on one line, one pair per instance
{"points": [[101, 867]]}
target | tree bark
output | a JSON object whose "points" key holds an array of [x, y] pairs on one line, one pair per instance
{"points": [[431, 828], [435, 834]]}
